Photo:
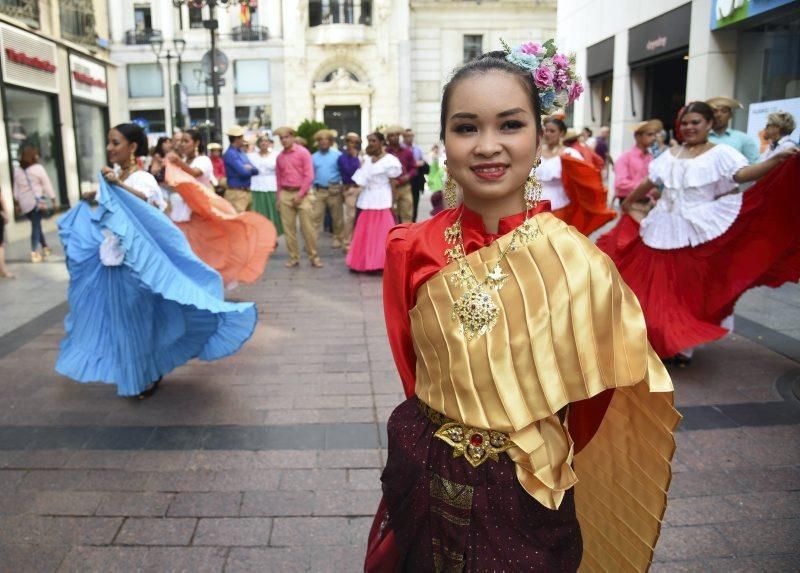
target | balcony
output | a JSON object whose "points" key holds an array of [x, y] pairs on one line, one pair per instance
{"points": [[328, 12], [25, 10], [139, 37], [250, 34]]}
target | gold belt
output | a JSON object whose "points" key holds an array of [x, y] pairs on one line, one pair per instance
{"points": [[475, 444]]}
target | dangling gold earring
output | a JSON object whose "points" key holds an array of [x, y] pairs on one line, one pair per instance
{"points": [[133, 160], [449, 192], [533, 188]]}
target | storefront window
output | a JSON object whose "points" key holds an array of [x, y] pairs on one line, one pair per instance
{"points": [[768, 65], [30, 121], [252, 76], [144, 80], [90, 134], [151, 120], [194, 78]]}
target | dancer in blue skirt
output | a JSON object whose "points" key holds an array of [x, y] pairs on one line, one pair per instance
{"points": [[141, 303]]}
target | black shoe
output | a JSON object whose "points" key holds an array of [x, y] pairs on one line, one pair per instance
{"points": [[150, 390]]}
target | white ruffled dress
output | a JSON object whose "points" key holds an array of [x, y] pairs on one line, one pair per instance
{"points": [[699, 201]]}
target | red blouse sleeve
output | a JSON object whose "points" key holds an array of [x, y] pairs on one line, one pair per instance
{"points": [[398, 299]]}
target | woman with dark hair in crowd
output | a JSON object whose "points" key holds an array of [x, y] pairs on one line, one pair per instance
{"points": [[35, 196], [573, 187], [158, 161], [375, 219], [236, 245], [515, 338], [141, 303], [705, 243]]}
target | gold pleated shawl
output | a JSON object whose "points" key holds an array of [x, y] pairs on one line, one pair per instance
{"points": [[569, 328]]}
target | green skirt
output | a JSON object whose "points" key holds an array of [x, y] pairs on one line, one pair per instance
{"points": [[264, 203]]}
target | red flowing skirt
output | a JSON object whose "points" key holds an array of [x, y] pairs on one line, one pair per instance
{"points": [[685, 293], [438, 513], [587, 210]]}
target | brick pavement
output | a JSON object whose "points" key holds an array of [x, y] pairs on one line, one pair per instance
{"points": [[270, 460]]}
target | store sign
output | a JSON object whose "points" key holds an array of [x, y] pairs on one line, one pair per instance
{"points": [[727, 12], [28, 60], [757, 115], [88, 79], [667, 33], [600, 58]]}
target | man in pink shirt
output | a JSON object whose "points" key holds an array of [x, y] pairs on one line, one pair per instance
{"points": [[403, 197], [294, 172], [630, 168]]}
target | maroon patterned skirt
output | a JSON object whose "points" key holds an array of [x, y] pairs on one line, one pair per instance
{"points": [[449, 516]]}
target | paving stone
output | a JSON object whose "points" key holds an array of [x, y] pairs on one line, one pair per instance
{"points": [[310, 480], [277, 503], [138, 504], [244, 531], [364, 479], [15, 503], [211, 504], [55, 480], [346, 503], [102, 459], [283, 559], [181, 481], [773, 536], [246, 480], [309, 531], [156, 531], [114, 480], [50, 531], [67, 503], [36, 558], [10, 479], [337, 559], [125, 559], [159, 461], [692, 542], [348, 459]]}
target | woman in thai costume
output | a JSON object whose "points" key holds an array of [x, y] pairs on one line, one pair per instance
{"points": [[375, 219], [141, 303], [705, 243], [264, 186], [236, 245], [537, 433], [573, 187]]}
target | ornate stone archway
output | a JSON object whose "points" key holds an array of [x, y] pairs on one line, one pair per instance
{"points": [[343, 90]]}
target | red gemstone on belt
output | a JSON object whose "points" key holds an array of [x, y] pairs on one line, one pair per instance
{"points": [[476, 440]]}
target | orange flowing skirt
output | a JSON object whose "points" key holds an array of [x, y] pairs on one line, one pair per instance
{"points": [[583, 184], [236, 245]]}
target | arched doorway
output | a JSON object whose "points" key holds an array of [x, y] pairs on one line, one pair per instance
{"points": [[343, 102]]}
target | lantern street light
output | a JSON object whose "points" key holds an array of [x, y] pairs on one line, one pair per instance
{"points": [[156, 44], [211, 25]]}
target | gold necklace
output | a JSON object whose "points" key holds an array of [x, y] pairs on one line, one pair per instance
{"points": [[475, 310]]}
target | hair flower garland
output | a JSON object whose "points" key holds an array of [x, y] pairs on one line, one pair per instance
{"points": [[553, 73]]}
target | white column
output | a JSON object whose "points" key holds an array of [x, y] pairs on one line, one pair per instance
{"points": [[621, 107], [712, 57]]}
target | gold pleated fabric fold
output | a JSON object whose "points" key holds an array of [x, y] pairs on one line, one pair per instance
{"points": [[569, 328]]}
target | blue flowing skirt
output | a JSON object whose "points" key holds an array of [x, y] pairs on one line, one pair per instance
{"points": [[131, 324]]}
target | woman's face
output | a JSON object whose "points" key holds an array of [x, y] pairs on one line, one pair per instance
{"points": [[552, 134], [491, 142], [374, 145], [772, 132], [264, 145], [187, 144], [118, 148], [694, 128]]}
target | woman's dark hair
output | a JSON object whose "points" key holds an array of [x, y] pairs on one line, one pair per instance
{"points": [[562, 127], [159, 149], [700, 107], [197, 138], [27, 154], [588, 131], [489, 62], [134, 134], [378, 135]]}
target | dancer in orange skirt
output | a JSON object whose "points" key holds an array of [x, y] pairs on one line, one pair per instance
{"points": [[237, 245], [573, 187]]}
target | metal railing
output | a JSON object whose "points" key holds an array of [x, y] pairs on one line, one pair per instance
{"points": [[250, 34], [135, 37]]}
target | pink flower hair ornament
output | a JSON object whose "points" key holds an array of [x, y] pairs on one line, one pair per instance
{"points": [[553, 73]]}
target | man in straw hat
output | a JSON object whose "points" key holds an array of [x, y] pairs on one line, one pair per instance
{"points": [[327, 185], [572, 139], [721, 134], [238, 170], [294, 172], [349, 162], [631, 167], [403, 197]]}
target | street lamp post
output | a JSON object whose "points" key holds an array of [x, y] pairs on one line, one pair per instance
{"points": [[211, 25], [178, 44]]}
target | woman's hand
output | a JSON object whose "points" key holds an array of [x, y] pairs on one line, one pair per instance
{"points": [[782, 156], [110, 175], [174, 157]]}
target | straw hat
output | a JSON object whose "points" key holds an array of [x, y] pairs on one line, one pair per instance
{"points": [[235, 131], [652, 124], [213, 146], [285, 130], [571, 135], [724, 101], [388, 130], [352, 135]]}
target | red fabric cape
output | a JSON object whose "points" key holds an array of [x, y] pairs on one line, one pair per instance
{"points": [[237, 245]]}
